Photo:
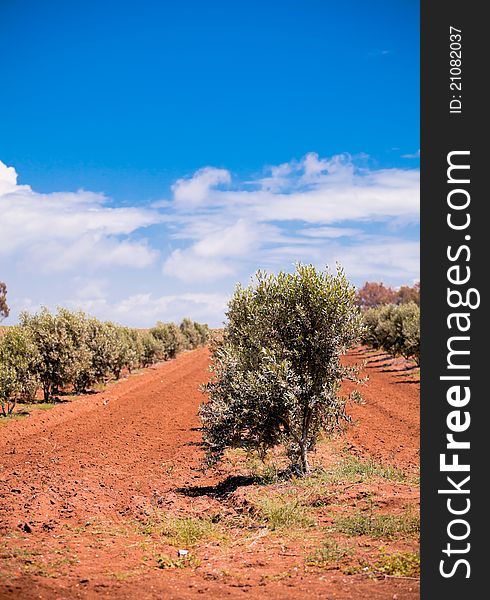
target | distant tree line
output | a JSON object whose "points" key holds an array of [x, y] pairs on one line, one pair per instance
{"points": [[373, 294]]}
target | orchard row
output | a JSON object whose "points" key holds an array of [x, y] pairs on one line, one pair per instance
{"points": [[71, 351]]}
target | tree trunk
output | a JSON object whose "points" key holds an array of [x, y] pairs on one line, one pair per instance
{"points": [[303, 445], [305, 465]]}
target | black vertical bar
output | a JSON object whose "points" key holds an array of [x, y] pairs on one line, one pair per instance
{"points": [[442, 132]]}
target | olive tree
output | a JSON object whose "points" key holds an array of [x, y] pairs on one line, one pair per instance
{"points": [[410, 317], [171, 338], [277, 369], [55, 344], [203, 332], [192, 335], [152, 349], [18, 363]]}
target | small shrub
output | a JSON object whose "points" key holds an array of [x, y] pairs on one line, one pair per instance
{"points": [[8, 389], [61, 344], [151, 349]]}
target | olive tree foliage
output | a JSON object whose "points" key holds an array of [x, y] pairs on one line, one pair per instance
{"points": [[187, 336], [62, 353], [203, 333], [194, 334], [69, 350], [8, 389], [394, 329], [152, 349], [277, 370], [171, 338], [19, 361], [4, 309], [108, 351]]}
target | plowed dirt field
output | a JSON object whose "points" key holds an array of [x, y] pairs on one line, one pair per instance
{"points": [[99, 493]]}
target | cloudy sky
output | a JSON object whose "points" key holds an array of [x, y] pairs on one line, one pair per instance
{"points": [[151, 157]]}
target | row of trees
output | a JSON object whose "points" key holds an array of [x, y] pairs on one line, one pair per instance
{"points": [[394, 329], [70, 350], [391, 318]]}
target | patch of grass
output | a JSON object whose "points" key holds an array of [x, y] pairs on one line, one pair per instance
{"points": [[166, 562], [5, 419], [183, 531], [330, 553], [280, 512], [398, 564], [377, 525], [352, 469], [39, 406], [100, 530], [188, 531], [24, 410]]}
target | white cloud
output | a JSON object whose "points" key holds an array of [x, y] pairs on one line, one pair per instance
{"points": [[75, 248], [67, 229], [147, 308], [329, 232], [294, 210], [193, 191], [189, 267], [89, 252], [217, 251]]}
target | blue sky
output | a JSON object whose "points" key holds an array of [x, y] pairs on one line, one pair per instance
{"points": [[164, 151]]}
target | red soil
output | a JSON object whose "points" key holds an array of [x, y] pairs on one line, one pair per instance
{"points": [[389, 421], [74, 480]]}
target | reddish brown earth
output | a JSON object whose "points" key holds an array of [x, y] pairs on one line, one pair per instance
{"points": [[78, 481], [389, 422]]}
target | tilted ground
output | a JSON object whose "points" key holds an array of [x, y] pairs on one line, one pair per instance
{"points": [[98, 494]]}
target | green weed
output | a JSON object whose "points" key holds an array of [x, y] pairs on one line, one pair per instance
{"points": [[377, 525]]}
